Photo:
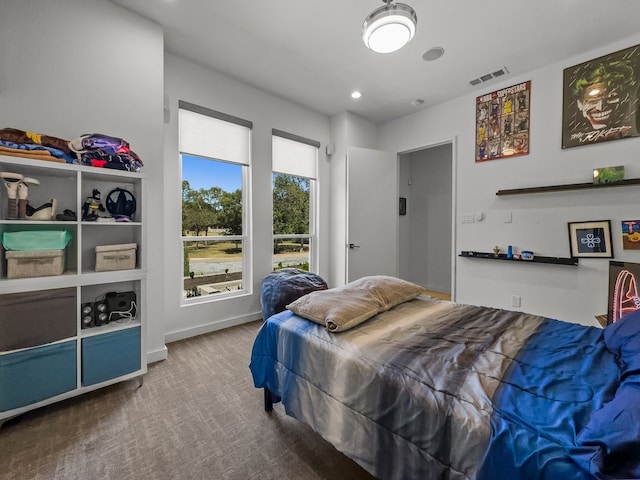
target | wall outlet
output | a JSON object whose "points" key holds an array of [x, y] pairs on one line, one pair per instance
{"points": [[469, 218], [515, 300]]}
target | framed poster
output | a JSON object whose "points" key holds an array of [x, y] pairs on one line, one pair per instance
{"points": [[502, 122], [623, 296], [601, 99], [631, 234], [591, 239]]}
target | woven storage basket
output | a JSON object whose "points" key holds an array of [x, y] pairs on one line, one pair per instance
{"points": [[116, 257], [35, 263]]}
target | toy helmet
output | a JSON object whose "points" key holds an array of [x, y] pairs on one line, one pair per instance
{"points": [[121, 202]]}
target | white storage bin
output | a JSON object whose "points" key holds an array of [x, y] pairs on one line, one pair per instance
{"points": [[34, 263], [116, 257]]}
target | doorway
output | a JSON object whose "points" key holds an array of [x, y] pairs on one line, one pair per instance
{"points": [[426, 231]]}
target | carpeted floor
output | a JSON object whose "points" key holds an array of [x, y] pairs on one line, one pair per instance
{"points": [[197, 416]]}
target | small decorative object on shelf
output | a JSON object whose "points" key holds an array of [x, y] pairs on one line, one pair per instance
{"points": [[608, 174], [526, 255], [92, 206], [496, 250]]}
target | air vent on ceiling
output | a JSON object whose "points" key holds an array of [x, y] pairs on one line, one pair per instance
{"points": [[489, 76]]}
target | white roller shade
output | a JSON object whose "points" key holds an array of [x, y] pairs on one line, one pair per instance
{"points": [[210, 137], [294, 158]]}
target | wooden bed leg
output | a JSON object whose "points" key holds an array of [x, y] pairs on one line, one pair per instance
{"points": [[268, 400]]}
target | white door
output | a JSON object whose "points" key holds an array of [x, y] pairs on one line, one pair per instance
{"points": [[372, 213]]}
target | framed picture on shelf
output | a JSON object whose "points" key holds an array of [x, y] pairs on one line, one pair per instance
{"points": [[608, 174], [600, 100], [591, 239], [630, 234]]}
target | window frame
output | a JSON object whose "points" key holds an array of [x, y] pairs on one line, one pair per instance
{"points": [[246, 189], [314, 203]]}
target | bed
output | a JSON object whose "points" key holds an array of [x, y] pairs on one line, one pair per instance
{"points": [[429, 389]]}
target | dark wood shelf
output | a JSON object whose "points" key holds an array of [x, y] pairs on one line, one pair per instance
{"points": [[536, 258], [571, 186]]}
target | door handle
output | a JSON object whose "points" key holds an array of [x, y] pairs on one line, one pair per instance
{"points": [[353, 245]]}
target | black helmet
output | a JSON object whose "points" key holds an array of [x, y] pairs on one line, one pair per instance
{"points": [[121, 202]]}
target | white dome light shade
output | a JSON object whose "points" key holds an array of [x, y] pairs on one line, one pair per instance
{"points": [[389, 28]]}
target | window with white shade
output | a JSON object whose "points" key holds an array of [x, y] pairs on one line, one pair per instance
{"points": [[215, 155], [294, 184]]}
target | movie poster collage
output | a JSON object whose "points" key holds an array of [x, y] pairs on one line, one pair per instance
{"points": [[502, 123]]}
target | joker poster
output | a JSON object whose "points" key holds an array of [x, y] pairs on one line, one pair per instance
{"points": [[601, 99]]}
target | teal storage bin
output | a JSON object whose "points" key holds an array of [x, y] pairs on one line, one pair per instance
{"points": [[110, 355], [33, 240], [34, 374]]}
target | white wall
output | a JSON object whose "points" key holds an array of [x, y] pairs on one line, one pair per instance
{"points": [[71, 67], [76, 66], [347, 130], [539, 221], [185, 80]]}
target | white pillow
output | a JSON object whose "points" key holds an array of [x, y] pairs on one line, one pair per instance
{"points": [[342, 308]]}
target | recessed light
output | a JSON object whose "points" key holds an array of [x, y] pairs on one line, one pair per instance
{"points": [[433, 54], [417, 102], [355, 95]]}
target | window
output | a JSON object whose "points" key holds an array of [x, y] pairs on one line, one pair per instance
{"points": [[215, 159], [294, 186]]}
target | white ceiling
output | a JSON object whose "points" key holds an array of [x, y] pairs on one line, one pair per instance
{"points": [[311, 51]]}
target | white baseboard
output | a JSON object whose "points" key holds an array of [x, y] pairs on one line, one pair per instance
{"points": [[157, 355], [210, 327]]}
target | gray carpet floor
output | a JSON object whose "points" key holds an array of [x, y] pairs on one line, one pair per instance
{"points": [[196, 416]]}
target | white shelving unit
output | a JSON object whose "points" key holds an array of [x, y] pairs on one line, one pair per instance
{"points": [[37, 372]]}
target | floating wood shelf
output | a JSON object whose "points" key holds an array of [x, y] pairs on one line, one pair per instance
{"points": [[571, 186], [535, 259]]}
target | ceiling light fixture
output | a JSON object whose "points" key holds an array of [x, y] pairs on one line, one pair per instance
{"points": [[389, 28], [356, 95]]}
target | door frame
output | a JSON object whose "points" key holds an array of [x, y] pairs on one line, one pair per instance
{"points": [[454, 221]]}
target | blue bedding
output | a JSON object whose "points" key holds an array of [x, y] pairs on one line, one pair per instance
{"points": [[438, 390]]}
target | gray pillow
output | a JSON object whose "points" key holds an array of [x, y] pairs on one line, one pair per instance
{"points": [[342, 308]]}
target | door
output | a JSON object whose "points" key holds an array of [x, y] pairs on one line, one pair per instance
{"points": [[372, 213]]}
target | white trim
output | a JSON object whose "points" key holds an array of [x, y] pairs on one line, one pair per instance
{"points": [[211, 327], [158, 355]]}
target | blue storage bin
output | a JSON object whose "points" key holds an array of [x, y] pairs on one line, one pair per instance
{"points": [[110, 355], [34, 374]]}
